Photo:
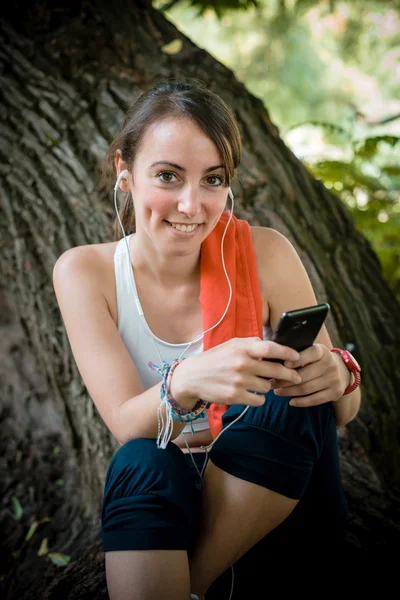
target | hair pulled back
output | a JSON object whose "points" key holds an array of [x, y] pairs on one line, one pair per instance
{"points": [[171, 99]]}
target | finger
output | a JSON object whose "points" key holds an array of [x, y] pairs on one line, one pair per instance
{"points": [[306, 373], [303, 389], [272, 350], [321, 397], [310, 355], [260, 385], [270, 370], [252, 399], [280, 383]]}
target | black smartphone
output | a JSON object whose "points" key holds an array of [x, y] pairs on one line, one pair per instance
{"points": [[299, 328]]}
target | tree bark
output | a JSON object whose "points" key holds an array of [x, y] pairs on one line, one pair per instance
{"points": [[67, 75]]}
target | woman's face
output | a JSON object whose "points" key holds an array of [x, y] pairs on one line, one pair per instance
{"points": [[178, 186]]}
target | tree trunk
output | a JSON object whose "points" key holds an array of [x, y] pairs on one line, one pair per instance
{"points": [[67, 75]]}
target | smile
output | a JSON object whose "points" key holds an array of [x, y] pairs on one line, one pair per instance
{"points": [[184, 228]]}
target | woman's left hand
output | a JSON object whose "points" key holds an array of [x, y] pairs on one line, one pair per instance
{"points": [[324, 378]]}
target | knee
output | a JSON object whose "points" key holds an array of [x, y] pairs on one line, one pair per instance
{"points": [[139, 467], [142, 452], [142, 478]]}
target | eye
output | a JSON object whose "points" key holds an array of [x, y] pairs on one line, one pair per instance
{"points": [[215, 180], [166, 176]]}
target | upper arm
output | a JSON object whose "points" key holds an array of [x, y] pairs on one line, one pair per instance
{"points": [[103, 361], [285, 282]]}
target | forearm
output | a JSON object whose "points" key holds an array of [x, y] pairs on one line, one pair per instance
{"points": [[347, 407]]}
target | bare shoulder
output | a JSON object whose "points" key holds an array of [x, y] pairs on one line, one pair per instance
{"points": [[271, 246], [91, 267], [263, 235], [92, 258], [272, 250]]}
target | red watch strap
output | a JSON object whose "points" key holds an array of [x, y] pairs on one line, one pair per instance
{"points": [[357, 376], [354, 385]]}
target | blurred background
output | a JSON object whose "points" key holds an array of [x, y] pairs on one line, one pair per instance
{"points": [[329, 73]]}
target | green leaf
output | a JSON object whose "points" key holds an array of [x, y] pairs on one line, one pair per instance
{"points": [[32, 530], [44, 520], [61, 560], [368, 147], [17, 508], [173, 47], [391, 170], [44, 548]]}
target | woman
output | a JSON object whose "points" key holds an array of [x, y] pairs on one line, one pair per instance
{"points": [[138, 300]]}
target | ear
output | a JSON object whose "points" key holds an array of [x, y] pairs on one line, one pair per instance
{"points": [[120, 166]]}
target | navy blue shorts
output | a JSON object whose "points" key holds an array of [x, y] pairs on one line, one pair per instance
{"points": [[152, 496]]}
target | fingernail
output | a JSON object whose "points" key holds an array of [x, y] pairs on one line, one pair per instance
{"points": [[277, 391]]}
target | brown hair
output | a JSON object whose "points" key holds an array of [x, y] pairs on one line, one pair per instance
{"points": [[177, 98]]}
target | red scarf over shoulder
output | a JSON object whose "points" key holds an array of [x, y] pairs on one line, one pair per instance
{"points": [[244, 316]]}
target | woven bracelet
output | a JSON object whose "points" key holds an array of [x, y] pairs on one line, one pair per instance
{"points": [[183, 415]]}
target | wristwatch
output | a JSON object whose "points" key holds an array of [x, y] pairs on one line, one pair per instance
{"points": [[353, 366]]}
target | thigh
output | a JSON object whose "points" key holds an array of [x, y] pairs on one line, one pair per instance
{"points": [[275, 445], [293, 452]]}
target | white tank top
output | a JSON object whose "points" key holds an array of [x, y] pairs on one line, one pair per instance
{"points": [[136, 333]]}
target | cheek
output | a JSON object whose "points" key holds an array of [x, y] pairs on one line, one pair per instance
{"points": [[216, 205], [157, 202]]}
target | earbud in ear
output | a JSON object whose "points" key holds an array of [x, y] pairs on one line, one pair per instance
{"points": [[123, 175], [230, 194]]}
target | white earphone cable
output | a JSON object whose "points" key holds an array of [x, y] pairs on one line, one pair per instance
{"points": [[123, 174]]}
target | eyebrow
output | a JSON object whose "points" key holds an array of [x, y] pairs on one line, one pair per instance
{"points": [[171, 164]]}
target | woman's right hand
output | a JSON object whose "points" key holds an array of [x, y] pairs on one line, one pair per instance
{"points": [[226, 373]]}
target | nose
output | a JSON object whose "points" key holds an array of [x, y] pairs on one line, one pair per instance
{"points": [[189, 201]]}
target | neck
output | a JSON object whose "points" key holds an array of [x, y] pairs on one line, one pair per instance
{"points": [[165, 270]]}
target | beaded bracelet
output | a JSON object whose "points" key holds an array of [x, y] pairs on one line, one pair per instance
{"points": [[172, 408]]}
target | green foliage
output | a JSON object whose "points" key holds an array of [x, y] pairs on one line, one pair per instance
{"points": [[220, 7], [369, 185], [327, 71]]}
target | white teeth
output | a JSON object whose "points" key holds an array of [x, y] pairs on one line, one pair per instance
{"points": [[188, 228]]}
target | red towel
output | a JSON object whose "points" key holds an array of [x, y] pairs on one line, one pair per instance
{"points": [[244, 316]]}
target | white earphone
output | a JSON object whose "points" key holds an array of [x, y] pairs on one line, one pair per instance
{"points": [[123, 175]]}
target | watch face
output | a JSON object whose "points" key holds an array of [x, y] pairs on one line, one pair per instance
{"points": [[354, 361]]}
